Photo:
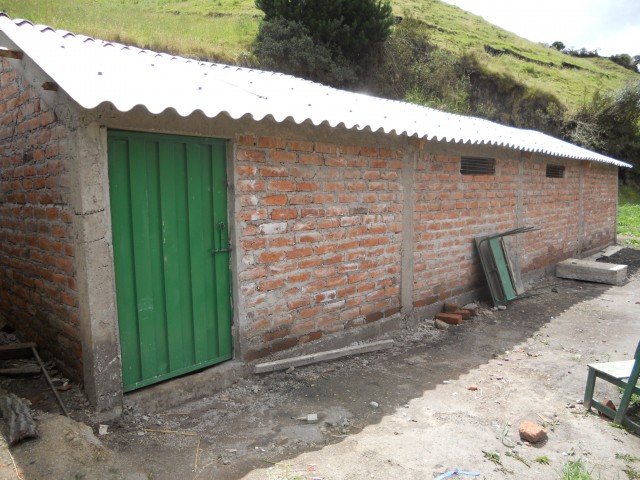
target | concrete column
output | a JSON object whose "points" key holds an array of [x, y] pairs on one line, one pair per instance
{"points": [[95, 270], [409, 200], [582, 237], [522, 158]]}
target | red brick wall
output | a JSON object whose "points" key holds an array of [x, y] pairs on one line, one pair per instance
{"points": [[552, 205], [452, 209], [37, 273], [600, 203], [319, 228]]}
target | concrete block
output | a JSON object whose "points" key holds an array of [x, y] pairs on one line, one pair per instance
{"points": [[591, 271], [450, 318]]}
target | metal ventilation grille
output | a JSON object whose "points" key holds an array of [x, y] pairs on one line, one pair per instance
{"points": [[477, 166], [555, 171]]}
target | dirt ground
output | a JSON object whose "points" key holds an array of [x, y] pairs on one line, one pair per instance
{"points": [[406, 412]]}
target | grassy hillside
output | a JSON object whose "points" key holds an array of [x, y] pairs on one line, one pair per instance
{"points": [[629, 216], [223, 30]]}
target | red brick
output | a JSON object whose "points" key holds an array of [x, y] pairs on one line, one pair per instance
{"points": [[284, 213], [283, 157], [307, 186], [312, 237], [311, 160], [298, 252], [300, 146], [246, 170], [465, 314], [299, 277], [326, 148], [246, 140], [268, 285], [282, 185], [270, 142], [450, 307], [274, 172], [532, 432], [298, 303], [251, 155], [450, 318], [268, 257], [313, 336], [278, 199]]}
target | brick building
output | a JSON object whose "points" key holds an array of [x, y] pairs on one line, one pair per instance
{"points": [[160, 215]]}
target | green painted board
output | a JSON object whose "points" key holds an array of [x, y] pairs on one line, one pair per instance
{"points": [[495, 244], [168, 199]]}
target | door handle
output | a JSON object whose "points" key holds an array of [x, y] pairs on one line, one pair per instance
{"points": [[221, 227]]}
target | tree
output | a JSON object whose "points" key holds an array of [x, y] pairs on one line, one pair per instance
{"points": [[349, 29], [558, 45]]}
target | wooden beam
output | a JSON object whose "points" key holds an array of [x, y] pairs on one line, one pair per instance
{"points": [[16, 350], [23, 371], [321, 356], [6, 53]]}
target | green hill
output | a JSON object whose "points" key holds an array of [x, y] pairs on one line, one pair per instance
{"points": [[223, 30]]}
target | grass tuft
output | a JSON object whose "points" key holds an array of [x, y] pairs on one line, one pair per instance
{"points": [[575, 470]]}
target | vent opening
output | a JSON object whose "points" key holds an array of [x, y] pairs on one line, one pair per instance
{"points": [[555, 171], [477, 166]]}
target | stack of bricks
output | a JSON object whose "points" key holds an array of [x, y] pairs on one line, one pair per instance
{"points": [[453, 315]]}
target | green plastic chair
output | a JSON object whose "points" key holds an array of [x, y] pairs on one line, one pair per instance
{"points": [[622, 374]]}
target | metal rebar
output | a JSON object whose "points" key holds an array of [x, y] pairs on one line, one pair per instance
{"points": [[46, 375]]}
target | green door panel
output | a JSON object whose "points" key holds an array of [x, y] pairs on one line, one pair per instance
{"points": [[170, 242]]}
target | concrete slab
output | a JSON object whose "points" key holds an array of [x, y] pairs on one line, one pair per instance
{"points": [[178, 391], [590, 271]]}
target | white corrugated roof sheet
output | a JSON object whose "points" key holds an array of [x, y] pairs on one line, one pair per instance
{"points": [[93, 72]]}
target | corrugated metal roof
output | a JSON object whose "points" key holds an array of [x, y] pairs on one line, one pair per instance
{"points": [[93, 72]]}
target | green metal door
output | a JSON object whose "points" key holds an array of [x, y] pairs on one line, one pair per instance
{"points": [[170, 246]]}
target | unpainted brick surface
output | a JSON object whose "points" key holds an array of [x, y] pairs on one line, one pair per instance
{"points": [[322, 229], [450, 211], [322, 238], [37, 270]]}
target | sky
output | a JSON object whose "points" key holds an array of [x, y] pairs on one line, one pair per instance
{"points": [[611, 26]]}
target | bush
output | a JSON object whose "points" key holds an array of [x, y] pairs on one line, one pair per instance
{"points": [[287, 46], [348, 28]]}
